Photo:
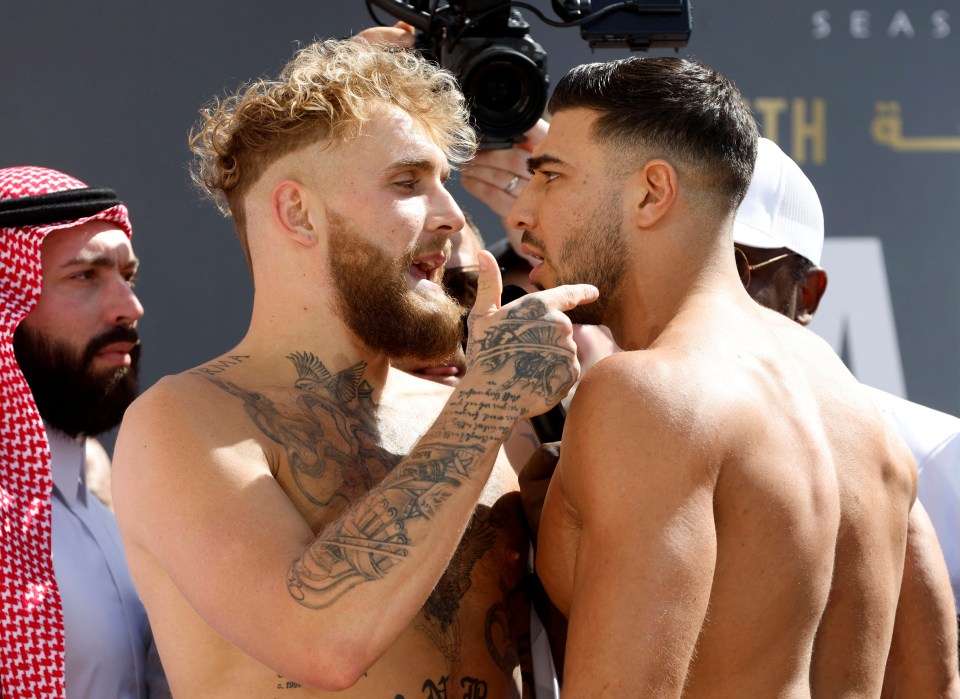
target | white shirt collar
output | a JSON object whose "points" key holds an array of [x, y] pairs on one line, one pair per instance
{"points": [[67, 461]]}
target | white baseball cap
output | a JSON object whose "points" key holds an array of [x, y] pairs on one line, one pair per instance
{"points": [[781, 208]]}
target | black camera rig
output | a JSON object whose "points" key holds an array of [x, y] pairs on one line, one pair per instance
{"points": [[503, 71]]}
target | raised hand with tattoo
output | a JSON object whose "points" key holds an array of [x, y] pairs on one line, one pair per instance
{"points": [[521, 361], [523, 355]]}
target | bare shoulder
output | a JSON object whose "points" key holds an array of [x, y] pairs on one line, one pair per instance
{"points": [[184, 435], [178, 407], [624, 378], [639, 395], [633, 419], [852, 418], [200, 392]]}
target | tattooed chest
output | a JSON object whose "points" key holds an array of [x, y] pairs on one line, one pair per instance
{"points": [[325, 426]]}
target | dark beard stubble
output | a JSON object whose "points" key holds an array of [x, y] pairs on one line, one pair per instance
{"points": [[593, 253]]}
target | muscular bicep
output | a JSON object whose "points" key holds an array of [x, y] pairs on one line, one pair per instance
{"points": [[647, 548]]}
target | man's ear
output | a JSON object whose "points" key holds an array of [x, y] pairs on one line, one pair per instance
{"points": [[292, 212], [809, 294], [653, 189]]}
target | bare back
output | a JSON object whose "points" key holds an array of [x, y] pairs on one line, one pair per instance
{"points": [[320, 442], [733, 523]]}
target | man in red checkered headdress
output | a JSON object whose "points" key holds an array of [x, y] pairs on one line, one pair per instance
{"points": [[71, 623]]}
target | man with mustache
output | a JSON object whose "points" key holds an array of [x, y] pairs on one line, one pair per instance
{"points": [[77, 348], [301, 517], [460, 276], [729, 512]]}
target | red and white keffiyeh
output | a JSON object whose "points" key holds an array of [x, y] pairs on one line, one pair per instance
{"points": [[31, 623]]}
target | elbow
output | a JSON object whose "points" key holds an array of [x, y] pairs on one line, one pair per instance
{"points": [[332, 668], [952, 685]]}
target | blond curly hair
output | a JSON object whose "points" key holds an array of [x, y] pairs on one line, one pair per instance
{"points": [[325, 93]]}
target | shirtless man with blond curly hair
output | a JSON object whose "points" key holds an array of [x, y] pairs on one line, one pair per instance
{"points": [[300, 517]]}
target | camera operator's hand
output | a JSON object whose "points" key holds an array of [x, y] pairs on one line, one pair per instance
{"points": [[400, 34], [496, 177], [521, 359]]}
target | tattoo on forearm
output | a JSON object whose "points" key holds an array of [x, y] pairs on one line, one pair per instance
{"points": [[328, 431], [372, 537], [530, 342]]}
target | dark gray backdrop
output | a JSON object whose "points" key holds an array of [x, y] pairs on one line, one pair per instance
{"points": [[107, 90]]}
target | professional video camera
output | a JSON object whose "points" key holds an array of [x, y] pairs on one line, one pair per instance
{"points": [[503, 71]]}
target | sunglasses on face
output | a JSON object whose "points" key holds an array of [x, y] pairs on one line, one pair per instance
{"points": [[745, 269]]}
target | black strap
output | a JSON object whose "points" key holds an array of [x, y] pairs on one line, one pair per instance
{"points": [[55, 207]]}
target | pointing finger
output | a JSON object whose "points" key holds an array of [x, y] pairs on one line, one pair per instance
{"points": [[567, 296], [489, 285]]}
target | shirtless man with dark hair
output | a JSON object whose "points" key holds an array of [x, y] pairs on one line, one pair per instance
{"points": [[300, 517], [728, 516]]}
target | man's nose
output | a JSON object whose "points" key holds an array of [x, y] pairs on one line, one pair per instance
{"points": [[124, 308], [522, 215], [446, 218]]}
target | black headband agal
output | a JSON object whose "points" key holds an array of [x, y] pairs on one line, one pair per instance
{"points": [[55, 207]]}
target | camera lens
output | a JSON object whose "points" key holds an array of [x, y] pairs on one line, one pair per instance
{"points": [[507, 91]]}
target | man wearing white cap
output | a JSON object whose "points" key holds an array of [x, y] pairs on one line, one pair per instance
{"points": [[778, 237]]}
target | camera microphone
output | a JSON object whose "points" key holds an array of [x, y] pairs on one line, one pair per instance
{"points": [[549, 426]]}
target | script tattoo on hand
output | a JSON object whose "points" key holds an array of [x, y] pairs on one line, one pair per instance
{"points": [[530, 341]]}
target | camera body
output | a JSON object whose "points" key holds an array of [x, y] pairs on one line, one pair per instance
{"points": [[503, 71], [642, 25]]}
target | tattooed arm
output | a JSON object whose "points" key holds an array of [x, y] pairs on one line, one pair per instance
{"points": [[322, 609]]}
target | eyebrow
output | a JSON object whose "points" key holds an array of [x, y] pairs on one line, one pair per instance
{"points": [[534, 164], [423, 164], [101, 261]]}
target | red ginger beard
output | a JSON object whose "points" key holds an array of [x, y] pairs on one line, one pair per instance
{"points": [[376, 303]]}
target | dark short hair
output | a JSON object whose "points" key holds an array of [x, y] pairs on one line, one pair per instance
{"points": [[673, 108]]}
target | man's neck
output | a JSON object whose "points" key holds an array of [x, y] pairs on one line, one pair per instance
{"points": [[661, 284]]}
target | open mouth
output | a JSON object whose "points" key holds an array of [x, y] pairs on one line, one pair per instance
{"points": [[447, 373], [427, 267], [530, 252]]}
